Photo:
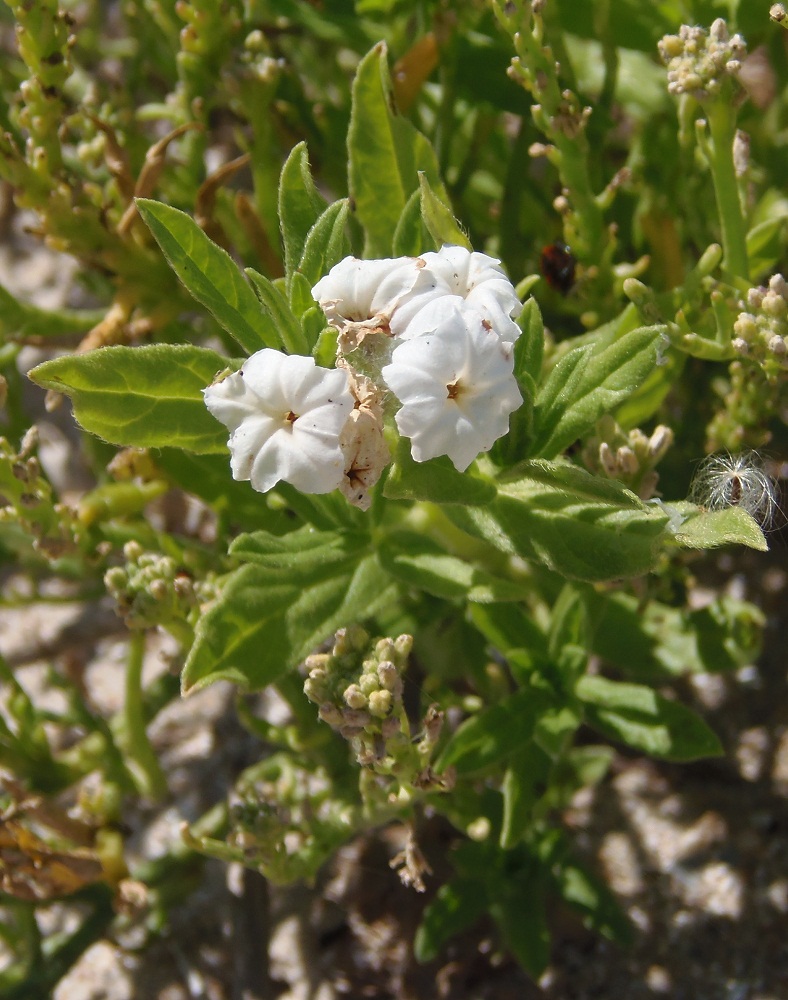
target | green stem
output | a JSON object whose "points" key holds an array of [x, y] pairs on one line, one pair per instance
{"points": [[134, 737], [722, 124]]}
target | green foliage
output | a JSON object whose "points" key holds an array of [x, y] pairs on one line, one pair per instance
{"points": [[149, 397], [513, 607]]}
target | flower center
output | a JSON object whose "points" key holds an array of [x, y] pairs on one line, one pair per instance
{"points": [[290, 417], [454, 389]]}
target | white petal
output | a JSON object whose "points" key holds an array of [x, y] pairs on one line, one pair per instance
{"points": [[286, 415], [356, 290], [477, 279], [230, 400], [460, 351]]}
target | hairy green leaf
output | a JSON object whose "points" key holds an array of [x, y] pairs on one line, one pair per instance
{"points": [[265, 621], [327, 242], [589, 381], [640, 717], [281, 316], [385, 154], [210, 275], [457, 905], [148, 397], [496, 732], [438, 217], [300, 205], [582, 526], [419, 562]]}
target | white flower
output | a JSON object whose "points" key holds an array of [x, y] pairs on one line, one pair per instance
{"points": [[285, 415], [480, 282], [374, 294], [455, 383], [360, 296]]}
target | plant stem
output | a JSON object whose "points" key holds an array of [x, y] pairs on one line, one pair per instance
{"points": [[147, 770], [722, 125]]}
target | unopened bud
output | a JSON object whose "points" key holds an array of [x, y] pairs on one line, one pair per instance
{"points": [[380, 703], [355, 697]]}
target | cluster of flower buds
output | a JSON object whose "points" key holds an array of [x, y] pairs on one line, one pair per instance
{"points": [[761, 333], [27, 499], [755, 388], [436, 331], [699, 63], [358, 688], [152, 589], [629, 457]]}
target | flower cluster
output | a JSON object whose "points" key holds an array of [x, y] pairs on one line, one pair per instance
{"points": [[437, 331], [762, 332], [630, 457], [358, 688], [152, 589], [699, 63], [757, 376]]}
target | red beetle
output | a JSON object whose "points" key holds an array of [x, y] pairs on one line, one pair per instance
{"points": [[557, 263]]}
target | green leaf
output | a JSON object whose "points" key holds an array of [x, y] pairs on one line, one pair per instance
{"points": [[582, 526], [267, 620], [438, 217], [657, 641], [436, 480], [385, 154], [410, 239], [300, 206], [326, 243], [709, 529], [521, 919], [584, 892], [495, 732], [589, 381], [457, 905], [19, 320], [529, 346], [148, 397], [279, 313], [508, 627], [765, 245], [210, 275], [417, 561], [641, 718], [524, 782]]}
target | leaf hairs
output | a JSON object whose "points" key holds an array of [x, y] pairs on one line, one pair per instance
{"points": [[726, 480]]}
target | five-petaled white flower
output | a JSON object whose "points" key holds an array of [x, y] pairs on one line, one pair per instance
{"points": [[380, 295], [285, 416], [388, 295], [455, 382], [479, 282]]}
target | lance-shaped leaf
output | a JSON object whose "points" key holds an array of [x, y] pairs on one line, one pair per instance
{"points": [[636, 715], [146, 397], [300, 205], [210, 275], [21, 319], [582, 526], [267, 619], [418, 562], [326, 243], [496, 732], [385, 154], [589, 381], [438, 217], [709, 529]]}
